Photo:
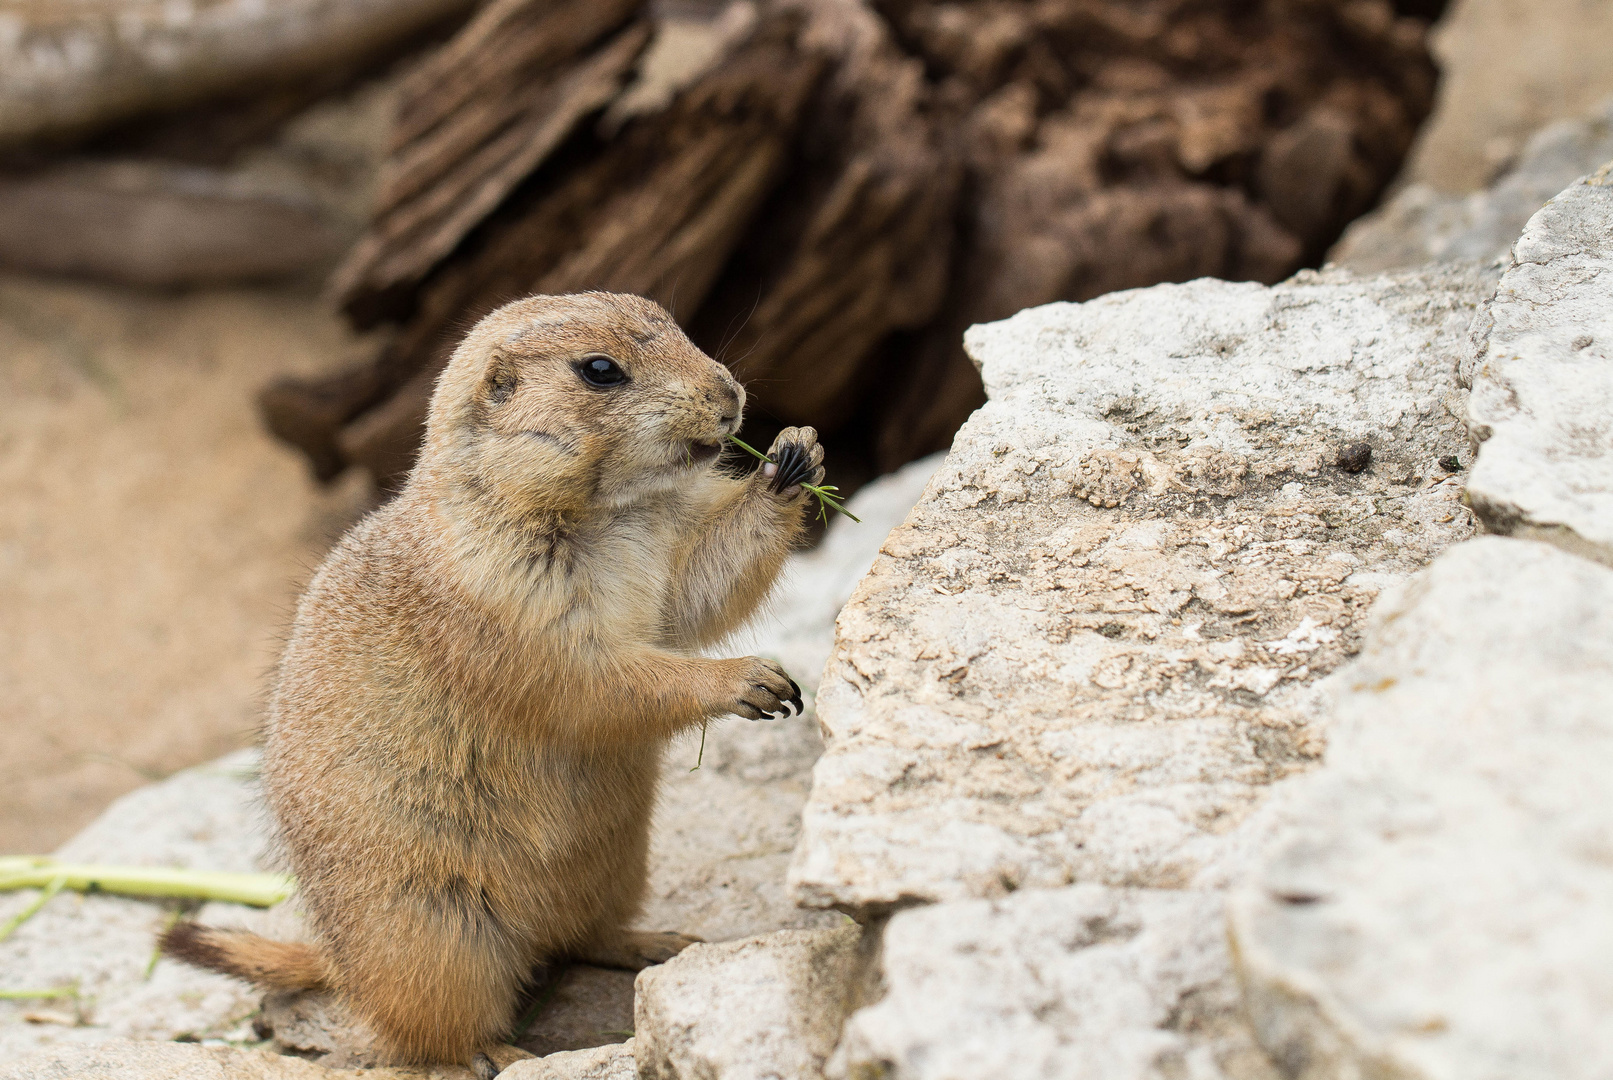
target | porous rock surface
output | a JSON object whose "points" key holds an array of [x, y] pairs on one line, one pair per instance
{"points": [[1422, 224], [612, 1062], [764, 1007], [1086, 981], [1096, 641], [1439, 906], [1542, 375]]}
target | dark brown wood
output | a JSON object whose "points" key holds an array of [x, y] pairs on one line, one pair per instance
{"points": [[831, 206], [474, 122]]}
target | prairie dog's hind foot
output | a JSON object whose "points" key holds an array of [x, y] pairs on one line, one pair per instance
{"points": [[635, 950]]}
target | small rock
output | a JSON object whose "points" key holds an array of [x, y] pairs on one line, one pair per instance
{"points": [[758, 1009], [614, 1062], [1355, 457], [1450, 463]]}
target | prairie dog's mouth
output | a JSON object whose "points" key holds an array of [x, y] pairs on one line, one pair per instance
{"points": [[702, 452]]}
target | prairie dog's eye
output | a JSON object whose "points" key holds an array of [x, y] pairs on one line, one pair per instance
{"points": [[599, 370]]}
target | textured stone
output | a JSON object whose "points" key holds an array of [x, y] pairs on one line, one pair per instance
{"points": [[1095, 642], [1542, 375], [1422, 224], [764, 1007], [1439, 905], [614, 1062], [1088, 981]]}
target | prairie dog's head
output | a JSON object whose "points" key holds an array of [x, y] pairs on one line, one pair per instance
{"points": [[567, 403]]}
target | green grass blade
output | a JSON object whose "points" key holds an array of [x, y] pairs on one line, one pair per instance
{"points": [[826, 501], [258, 890]]}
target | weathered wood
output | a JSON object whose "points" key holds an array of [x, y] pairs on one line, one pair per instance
{"points": [[162, 225], [474, 122], [656, 212], [67, 68]]}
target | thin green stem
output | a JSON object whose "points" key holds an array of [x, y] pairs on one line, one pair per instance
{"points": [[50, 890], [156, 952], [702, 755], [826, 499]]}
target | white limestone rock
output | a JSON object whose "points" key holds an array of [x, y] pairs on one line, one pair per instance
{"points": [[1439, 907], [1542, 375], [1095, 642], [1087, 981], [1422, 224], [613, 1062], [765, 1008]]}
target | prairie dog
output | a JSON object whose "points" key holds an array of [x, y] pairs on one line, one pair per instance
{"points": [[465, 734]]}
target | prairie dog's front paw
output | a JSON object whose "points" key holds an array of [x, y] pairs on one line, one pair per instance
{"points": [[761, 688], [798, 459]]}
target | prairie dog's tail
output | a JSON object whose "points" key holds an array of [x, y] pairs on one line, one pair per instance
{"points": [[273, 965]]}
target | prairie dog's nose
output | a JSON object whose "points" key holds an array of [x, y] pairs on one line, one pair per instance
{"points": [[729, 401]]}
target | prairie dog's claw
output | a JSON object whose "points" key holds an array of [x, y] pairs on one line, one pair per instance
{"points": [[763, 691], [798, 459], [794, 466]]}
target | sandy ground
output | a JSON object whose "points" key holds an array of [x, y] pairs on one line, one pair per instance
{"points": [[152, 537]]}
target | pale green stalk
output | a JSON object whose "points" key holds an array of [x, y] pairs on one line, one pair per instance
{"points": [[259, 890]]}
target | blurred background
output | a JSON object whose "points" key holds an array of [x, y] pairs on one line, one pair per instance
{"points": [[238, 239]]}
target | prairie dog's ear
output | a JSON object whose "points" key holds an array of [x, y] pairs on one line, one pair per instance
{"points": [[499, 385]]}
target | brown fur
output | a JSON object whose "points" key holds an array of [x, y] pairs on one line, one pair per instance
{"points": [[465, 734]]}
